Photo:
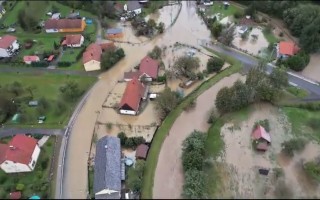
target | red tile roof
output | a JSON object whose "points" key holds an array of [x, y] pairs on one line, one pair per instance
{"points": [[3, 149], [72, 39], [133, 94], [50, 58], [30, 58], [6, 41], [107, 46], [259, 133], [93, 52], [142, 151], [131, 75], [21, 151], [15, 195], [288, 48], [149, 66], [63, 23]]}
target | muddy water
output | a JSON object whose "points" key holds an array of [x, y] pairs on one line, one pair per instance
{"points": [[80, 138], [250, 45], [169, 169], [312, 70], [165, 15]]}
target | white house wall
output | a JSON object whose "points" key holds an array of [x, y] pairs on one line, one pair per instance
{"points": [[15, 45], [92, 65], [11, 167], [52, 30], [4, 53], [128, 112], [34, 157]]}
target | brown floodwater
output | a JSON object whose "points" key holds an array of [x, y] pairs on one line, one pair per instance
{"points": [[165, 15]]}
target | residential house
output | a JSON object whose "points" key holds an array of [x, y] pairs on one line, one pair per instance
{"points": [[286, 49], [107, 168], [114, 33], [134, 6], [92, 56], [75, 40], [133, 95], [2, 11], [56, 16], [64, 25], [8, 46], [29, 59], [261, 137], [148, 70], [19, 155], [142, 151]]}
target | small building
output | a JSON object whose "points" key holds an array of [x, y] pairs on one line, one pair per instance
{"points": [[107, 168], [114, 33], [286, 49], [56, 16], [134, 6], [149, 67], [134, 94], [19, 155], [30, 59], [75, 40], [8, 46], [64, 25], [142, 151], [74, 15], [33, 103], [15, 195], [50, 58], [261, 138]]}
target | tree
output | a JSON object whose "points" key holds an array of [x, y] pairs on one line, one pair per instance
{"points": [[151, 23], [223, 100], [194, 184], [155, 53], [185, 65], [214, 64], [241, 96], [227, 36], [310, 37], [295, 63], [110, 58], [70, 91], [7, 107], [16, 88], [216, 29], [290, 146], [166, 102], [43, 105], [31, 89], [27, 20], [135, 176], [160, 27], [312, 168], [279, 78], [122, 136]]}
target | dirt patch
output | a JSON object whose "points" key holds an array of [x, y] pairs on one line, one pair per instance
{"points": [[243, 162], [312, 70]]}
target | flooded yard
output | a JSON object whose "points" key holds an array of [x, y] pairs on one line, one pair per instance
{"points": [[312, 70], [251, 45], [166, 15]]}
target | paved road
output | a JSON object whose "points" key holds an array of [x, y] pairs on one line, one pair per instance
{"points": [[4, 132], [249, 62]]}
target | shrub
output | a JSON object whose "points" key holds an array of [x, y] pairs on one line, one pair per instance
{"points": [[263, 123], [312, 169], [60, 107], [122, 136], [212, 117], [238, 14], [20, 187], [214, 65], [293, 145], [64, 64], [281, 34], [40, 64], [200, 76], [162, 78]]}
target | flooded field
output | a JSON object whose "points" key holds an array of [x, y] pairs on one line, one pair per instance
{"points": [[165, 15], [243, 162], [171, 172], [312, 70], [251, 45]]}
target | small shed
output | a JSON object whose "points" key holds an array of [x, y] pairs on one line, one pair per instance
{"points": [[50, 58], [89, 21], [142, 151], [152, 96], [33, 103]]}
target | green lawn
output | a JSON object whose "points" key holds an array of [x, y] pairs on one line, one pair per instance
{"points": [[153, 7], [47, 85], [35, 182], [161, 133], [304, 122], [70, 54], [219, 8], [270, 37], [298, 92]]}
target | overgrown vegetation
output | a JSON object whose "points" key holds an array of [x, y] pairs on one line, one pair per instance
{"points": [[214, 64], [185, 66], [135, 176], [155, 53], [263, 123], [294, 145], [110, 58], [130, 142], [166, 102], [312, 169], [297, 62]]}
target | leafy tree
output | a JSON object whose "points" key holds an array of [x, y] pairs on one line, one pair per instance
{"points": [[155, 53], [290, 146], [20, 187], [279, 78], [43, 105], [241, 96], [166, 102], [216, 29], [7, 107], [185, 65], [227, 36], [151, 23], [135, 176], [16, 88], [296, 63], [312, 168], [223, 100], [110, 58], [194, 184], [214, 64], [122, 136], [31, 89], [70, 91], [310, 37], [27, 20], [160, 27]]}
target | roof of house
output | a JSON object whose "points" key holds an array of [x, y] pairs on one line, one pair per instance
{"points": [[131, 74], [30, 58], [63, 23], [114, 30], [72, 39], [50, 58], [107, 167], [149, 66], [142, 151], [108, 45], [133, 5], [263, 146], [93, 52], [133, 94], [6, 41], [259, 133], [288, 48], [19, 149], [15, 195]]}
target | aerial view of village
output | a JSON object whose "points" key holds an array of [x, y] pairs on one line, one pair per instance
{"points": [[159, 99]]}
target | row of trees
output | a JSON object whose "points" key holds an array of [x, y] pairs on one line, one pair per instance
{"points": [[110, 58], [257, 87], [130, 142], [193, 155], [297, 62], [166, 102]]}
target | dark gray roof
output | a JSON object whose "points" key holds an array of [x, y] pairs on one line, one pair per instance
{"points": [[114, 30], [133, 5], [107, 167]]}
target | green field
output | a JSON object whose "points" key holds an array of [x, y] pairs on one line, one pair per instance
{"points": [[298, 92], [47, 85], [70, 54], [270, 37], [35, 182], [219, 8]]}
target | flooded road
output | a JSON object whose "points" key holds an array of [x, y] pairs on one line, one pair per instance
{"points": [[188, 28]]}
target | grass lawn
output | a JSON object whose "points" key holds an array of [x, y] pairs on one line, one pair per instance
{"points": [[70, 54], [91, 179], [304, 122], [47, 85], [219, 8], [35, 182], [298, 92], [161, 133], [270, 37], [153, 7]]}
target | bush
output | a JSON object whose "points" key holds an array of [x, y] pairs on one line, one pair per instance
{"points": [[214, 65], [40, 64], [212, 117], [64, 64], [155, 53], [312, 169], [20, 187], [293, 145], [130, 142], [162, 78], [200, 76], [263, 123], [122, 136], [60, 107]]}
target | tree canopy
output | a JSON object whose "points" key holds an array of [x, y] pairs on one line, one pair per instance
{"points": [[186, 65]]}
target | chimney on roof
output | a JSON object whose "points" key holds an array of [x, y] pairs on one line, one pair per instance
{"points": [[12, 147]]}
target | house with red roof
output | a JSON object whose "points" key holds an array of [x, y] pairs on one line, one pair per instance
{"points": [[8, 45], [286, 49], [92, 56], [29, 59], [75, 40], [148, 70], [133, 95], [19, 155], [261, 137]]}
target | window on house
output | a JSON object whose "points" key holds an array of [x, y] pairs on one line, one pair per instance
{"points": [[33, 163]]}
